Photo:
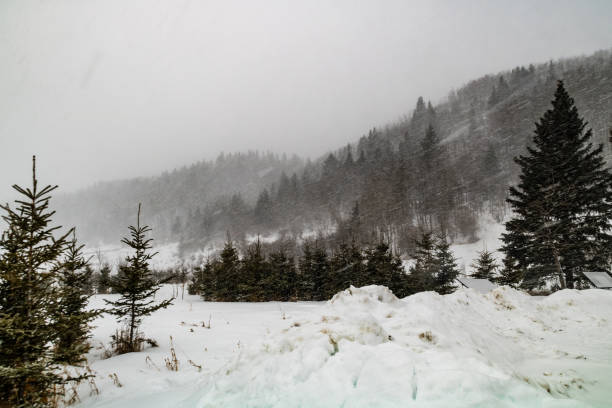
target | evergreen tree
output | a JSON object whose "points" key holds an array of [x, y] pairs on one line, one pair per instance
{"points": [[446, 265], [510, 275], [204, 281], [253, 272], [29, 252], [263, 209], [314, 270], [280, 283], [484, 266], [425, 268], [227, 274], [320, 272], [346, 269], [382, 268], [563, 203], [137, 287], [104, 280], [72, 318], [89, 285]]}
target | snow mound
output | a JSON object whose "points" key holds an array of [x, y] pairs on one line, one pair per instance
{"points": [[368, 348]]}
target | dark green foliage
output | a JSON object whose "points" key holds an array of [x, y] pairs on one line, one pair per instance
{"points": [[511, 274], [563, 203], [382, 268], [196, 282], [346, 269], [226, 274], [423, 271], [314, 268], [104, 279], [274, 277], [30, 253], [447, 268], [280, 282], [253, 270], [137, 287], [485, 266], [72, 318], [435, 267]]}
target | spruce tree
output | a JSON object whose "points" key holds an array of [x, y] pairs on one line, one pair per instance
{"points": [[346, 269], [423, 271], [29, 253], [137, 287], [509, 274], [208, 280], [73, 319], [254, 270], [484, 266], [320, 271], [104, 280], [314, 271], [382, 268], [447, 270], [227, 274], [563, 203], [280, 282]]}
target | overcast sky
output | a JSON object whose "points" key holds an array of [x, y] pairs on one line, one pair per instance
{"points": [[113, 89]]}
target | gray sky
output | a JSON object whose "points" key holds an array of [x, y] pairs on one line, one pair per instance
{"points": [[111, 89]]}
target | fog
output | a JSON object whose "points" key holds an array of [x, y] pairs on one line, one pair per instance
{"points": [[113, 89]]}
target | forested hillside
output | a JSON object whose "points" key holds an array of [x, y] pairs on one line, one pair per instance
{"points": [[438, 169], [103, 210]]}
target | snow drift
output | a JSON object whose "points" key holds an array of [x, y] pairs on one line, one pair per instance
{"points": [[368, 348]]}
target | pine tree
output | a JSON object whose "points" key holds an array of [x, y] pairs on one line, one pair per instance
{"points": [[73, 319], [137, 287], [345, 269], [485, 266], [447, 270], [29, 252], [382, 268], [510, 275], [254, 270], [104, 280], [227, 274], [320, 272], [314, 271], [425, 268], [280, 283], [563, 203]]}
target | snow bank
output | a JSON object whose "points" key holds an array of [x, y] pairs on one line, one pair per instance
{"points": [[367, 348]]}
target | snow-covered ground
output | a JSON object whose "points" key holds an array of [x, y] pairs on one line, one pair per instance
{"points": [[366, 348], [489, 234], [167, 255]]}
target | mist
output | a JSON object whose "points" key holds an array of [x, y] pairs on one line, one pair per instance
{"points": [[104, 90]]}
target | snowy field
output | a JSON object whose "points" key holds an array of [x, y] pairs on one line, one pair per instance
{"points": [[366, 348]]}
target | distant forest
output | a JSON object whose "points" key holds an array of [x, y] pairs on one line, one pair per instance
{"points": [[437, 170]]}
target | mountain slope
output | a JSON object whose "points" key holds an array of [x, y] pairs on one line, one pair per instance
{"points": [[390, 184]]}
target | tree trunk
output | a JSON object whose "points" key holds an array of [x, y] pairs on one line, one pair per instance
{"points": [[558, 268]]}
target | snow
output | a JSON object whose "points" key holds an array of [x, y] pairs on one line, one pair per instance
{"points": [[601, 280], [483, 286], [167, 256], [266, 239], [367, 348], [489, 233]]}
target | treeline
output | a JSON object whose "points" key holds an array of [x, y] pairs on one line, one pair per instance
{"points": [[317, 274], [174, 197]]}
